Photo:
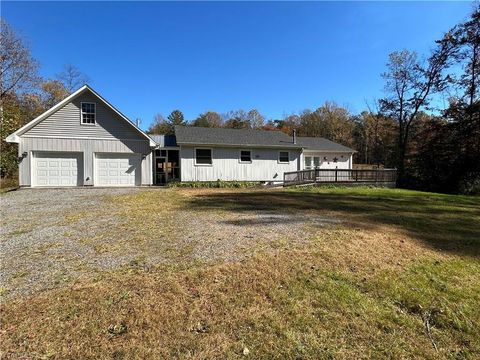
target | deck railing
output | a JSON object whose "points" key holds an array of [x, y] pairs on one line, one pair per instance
{"points": [[313, 176]]}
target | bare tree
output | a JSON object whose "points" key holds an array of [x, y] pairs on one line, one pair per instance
{"points": [[257, 120], [53, 92], [72, 78], [159, 125], [236, 119], [17, 67], [208, 119], [409, 85]]}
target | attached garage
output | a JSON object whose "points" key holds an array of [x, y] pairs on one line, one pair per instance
{"points": [[117, 169], [83, 141], [57, 169]]}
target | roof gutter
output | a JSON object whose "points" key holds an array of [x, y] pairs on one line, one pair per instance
{"points": [[288, 146], [331, 151]]}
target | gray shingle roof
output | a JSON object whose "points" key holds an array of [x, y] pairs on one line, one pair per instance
{"points": [[248, 137], [317, 143], [243, 137]]}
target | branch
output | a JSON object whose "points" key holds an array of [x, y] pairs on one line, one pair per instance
{"points": [[4, 92], [426, 322]]}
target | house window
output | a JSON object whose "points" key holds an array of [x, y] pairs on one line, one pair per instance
{"points": [[316, 161], [308, 162], [245, 156], [283, 157], [88, 113], [203, 156]]}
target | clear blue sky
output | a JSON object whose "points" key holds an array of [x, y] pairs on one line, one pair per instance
{"points": [[283, 57]]}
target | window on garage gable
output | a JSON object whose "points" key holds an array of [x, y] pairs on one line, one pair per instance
{"points": [[88, 113]]}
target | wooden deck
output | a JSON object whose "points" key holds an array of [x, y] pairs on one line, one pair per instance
{"points": [[382, 177]]}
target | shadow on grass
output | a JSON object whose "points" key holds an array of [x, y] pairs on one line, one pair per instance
{"points": [[277, 219], [445, 222]]}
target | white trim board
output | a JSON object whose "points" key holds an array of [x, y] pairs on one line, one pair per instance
{"points": [[78, 138]]}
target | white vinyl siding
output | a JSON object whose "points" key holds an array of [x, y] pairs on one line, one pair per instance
{"points": [[327, 160], [226, 165], [88, 148], [66, 123]]}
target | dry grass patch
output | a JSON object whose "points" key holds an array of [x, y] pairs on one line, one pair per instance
{"points": [[286, 305]]}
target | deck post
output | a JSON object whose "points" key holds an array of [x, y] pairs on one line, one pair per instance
{"points": [[336, 175]]}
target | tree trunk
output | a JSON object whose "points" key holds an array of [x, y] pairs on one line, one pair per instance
{"points": [[401, 164]]}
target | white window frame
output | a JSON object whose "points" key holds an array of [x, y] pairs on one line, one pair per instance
{"points": [[308, 167], [195, 155], [94, 113], [240, 157], [284, 162]]}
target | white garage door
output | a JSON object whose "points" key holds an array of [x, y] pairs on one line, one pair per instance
{"points": [[117, 169], [56, 169]]}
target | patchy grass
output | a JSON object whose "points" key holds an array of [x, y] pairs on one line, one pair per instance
{"points": [[8, 184], [21, 230], [443, 222], [396, 278], [145, 222]]}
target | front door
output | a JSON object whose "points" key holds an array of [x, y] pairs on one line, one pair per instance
{"points": [[160, 171]]}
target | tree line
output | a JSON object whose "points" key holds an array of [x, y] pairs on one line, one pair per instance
{"points": [[24, 94], [427, 123]]}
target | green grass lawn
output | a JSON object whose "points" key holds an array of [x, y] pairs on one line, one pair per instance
{"points": [[397, 277]]}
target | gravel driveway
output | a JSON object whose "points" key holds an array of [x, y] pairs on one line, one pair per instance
{"points": [[55, 237], [37, 249]]}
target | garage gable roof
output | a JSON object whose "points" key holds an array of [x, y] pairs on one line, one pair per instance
{"points": [[15, 137]]}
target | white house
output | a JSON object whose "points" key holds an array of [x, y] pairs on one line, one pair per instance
{"points": [[85, 141]]}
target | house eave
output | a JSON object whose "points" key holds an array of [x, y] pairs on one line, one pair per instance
{"points": [[13, 138], [330, 151], [241, 145]]}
